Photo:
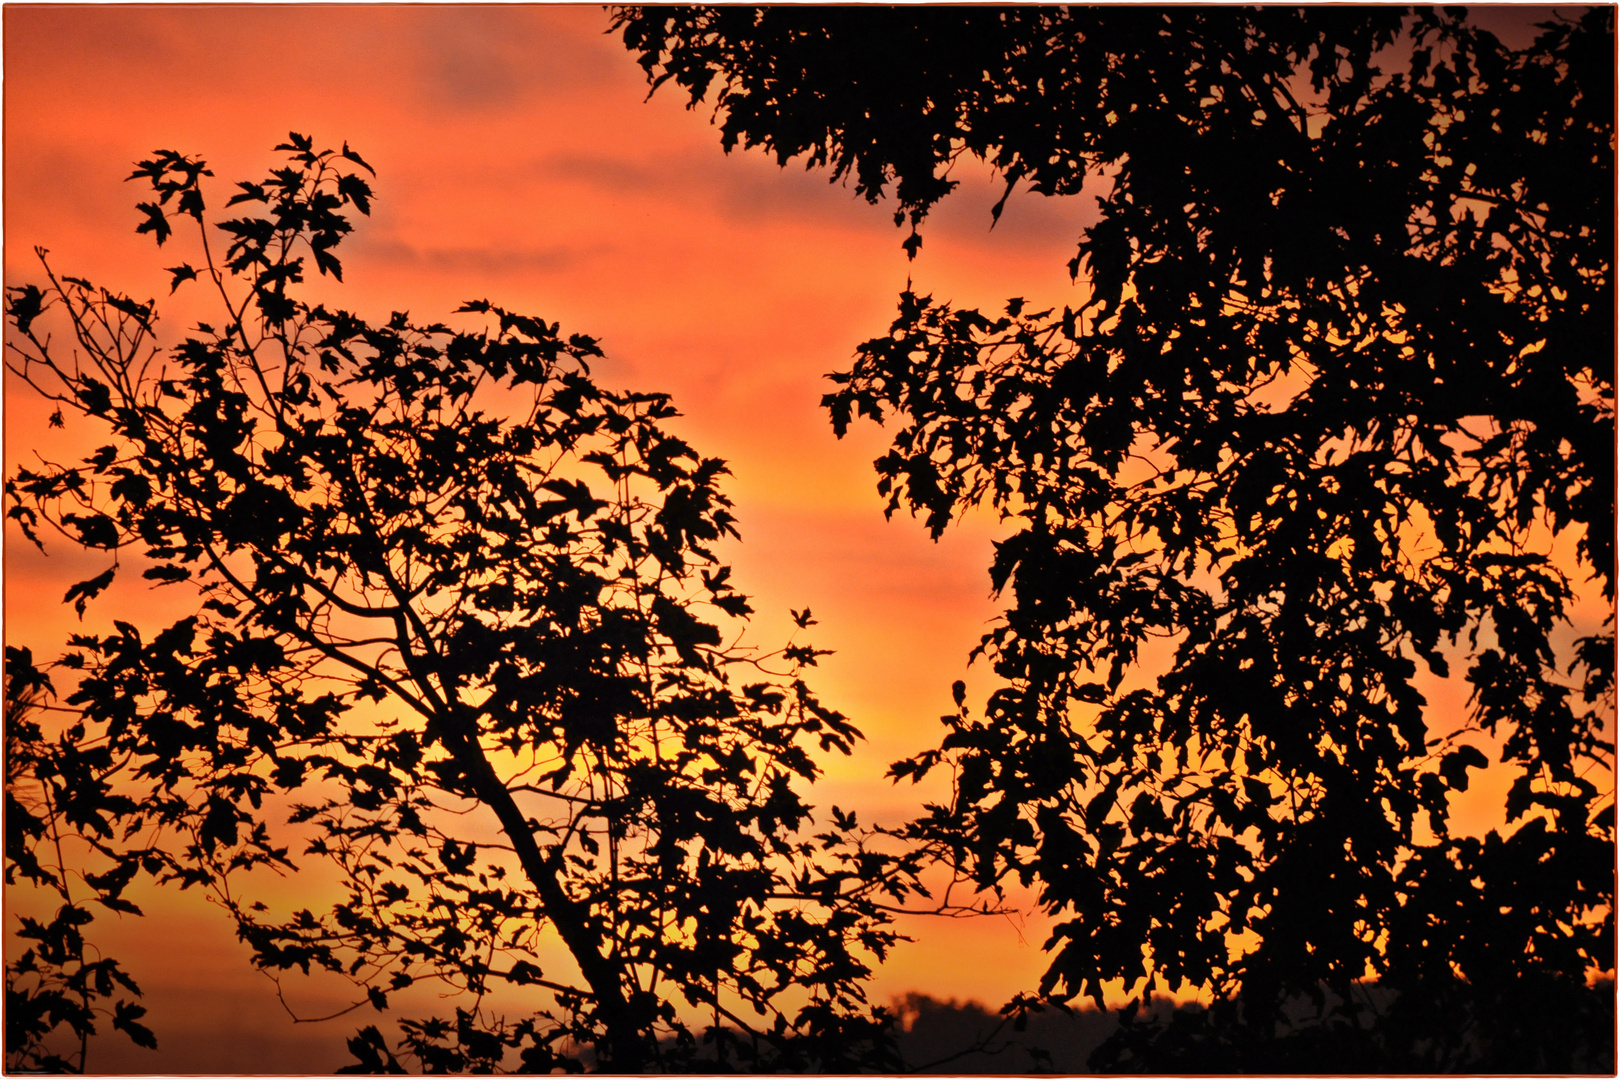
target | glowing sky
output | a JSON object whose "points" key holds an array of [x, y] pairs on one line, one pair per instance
{"points": [[518, 160]]}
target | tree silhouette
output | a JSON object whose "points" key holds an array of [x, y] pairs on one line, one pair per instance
{"points": [[460, 621], [1337, 409]]}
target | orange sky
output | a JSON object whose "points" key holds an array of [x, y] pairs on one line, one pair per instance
{"points": [[518, 160]]}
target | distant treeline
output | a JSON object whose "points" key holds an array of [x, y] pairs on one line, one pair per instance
{"points": [[966, 1037], [951, 1037]]}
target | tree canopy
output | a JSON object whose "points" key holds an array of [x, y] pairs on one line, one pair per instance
{"points": [[461, 629], [1333, 416]]}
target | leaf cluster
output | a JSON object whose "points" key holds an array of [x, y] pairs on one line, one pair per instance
{"points": [[56, 798]]}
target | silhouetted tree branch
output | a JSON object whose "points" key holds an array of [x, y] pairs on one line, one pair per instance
{"points": [[459, 618]]}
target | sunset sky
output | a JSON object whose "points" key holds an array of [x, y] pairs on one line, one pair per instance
{"points": [[518, 159]]}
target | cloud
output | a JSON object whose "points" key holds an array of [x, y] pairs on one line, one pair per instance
{"points": [[748, 187], [495, 58], [492, 260]]}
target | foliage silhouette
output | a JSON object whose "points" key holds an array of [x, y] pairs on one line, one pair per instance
{"points": [[1335, 415], [54, 796], [461, 622]]}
